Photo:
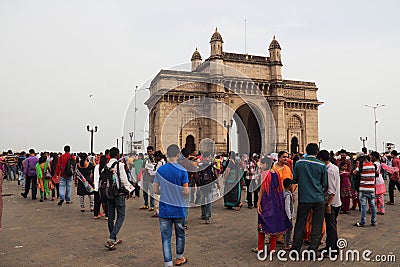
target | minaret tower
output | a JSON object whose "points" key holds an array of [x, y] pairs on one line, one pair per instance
{"points": [[196, 60], [275, 58], [216, 45]]}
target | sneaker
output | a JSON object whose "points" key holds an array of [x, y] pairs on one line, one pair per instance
{"points": [[359, 224], [101, 214], [60, 202], [207, 221], [69, 202], [374, 224], [23, 195]]}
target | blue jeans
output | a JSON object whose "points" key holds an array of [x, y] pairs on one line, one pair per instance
{"points": [[166, 234], [116, 204], [370, 197], [65, 188], [148, 190], [10, 170], [288, 234], [206, 201], [187, 204]]}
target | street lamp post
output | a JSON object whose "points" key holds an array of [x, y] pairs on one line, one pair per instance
{"points": [[122, 145], [134, 115], [92, 131], [131, 136], [363, 140], [375, 121], [228, 126]]}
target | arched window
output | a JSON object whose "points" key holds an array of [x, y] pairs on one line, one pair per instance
{"points": [[294, 122], [190, 144], [188, 116]]}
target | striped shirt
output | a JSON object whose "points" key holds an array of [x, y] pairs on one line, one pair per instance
{"points": [[251, 170], [11, 160], [367, 180]]}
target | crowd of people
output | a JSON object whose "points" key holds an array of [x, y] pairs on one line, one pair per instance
{"points": [[327, 184]]}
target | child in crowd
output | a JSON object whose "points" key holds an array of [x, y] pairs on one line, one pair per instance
{"points": [[288, 196], [345, 187]]}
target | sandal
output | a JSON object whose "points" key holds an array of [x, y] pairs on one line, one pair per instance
{"points": [[151, 209], [239, 207], [185, 260], [255, 250], [144, 208], [110, 245], [118, 241]]}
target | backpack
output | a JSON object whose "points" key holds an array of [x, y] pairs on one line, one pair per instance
{"points": [[70, 167], [357, 177], [108, 186], [207, 175]]}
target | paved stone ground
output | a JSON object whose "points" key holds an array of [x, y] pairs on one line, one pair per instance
{"points": [[44, 234]]}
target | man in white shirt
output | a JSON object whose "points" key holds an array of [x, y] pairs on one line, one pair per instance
{"points": [[333, 203], [118, 203]]}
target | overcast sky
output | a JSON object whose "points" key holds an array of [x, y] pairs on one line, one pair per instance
{"points": [[55, 54]]}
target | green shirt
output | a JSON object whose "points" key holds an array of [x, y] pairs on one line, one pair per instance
{"points": [[138, 164], [311, 176]]}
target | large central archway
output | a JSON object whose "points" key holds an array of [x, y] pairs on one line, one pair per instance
{"points": [[248, 130]]}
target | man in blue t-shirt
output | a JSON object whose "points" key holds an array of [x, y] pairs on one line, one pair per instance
{"points": [[171, 183]]}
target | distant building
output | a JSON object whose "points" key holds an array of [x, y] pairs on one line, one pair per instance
{"points": [[390, 146], [184, 104]]}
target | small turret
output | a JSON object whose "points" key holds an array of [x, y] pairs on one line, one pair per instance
{"points": [[196, 60], [275, 58], [216, 44]]}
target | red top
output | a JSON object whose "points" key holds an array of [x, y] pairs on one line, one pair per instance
{"points": [[395, 163], [62, 163]]}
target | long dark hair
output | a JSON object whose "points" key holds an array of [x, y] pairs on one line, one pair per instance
{"points": [[83, 157], [102, 163], [53, 163], [42, 159]]}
